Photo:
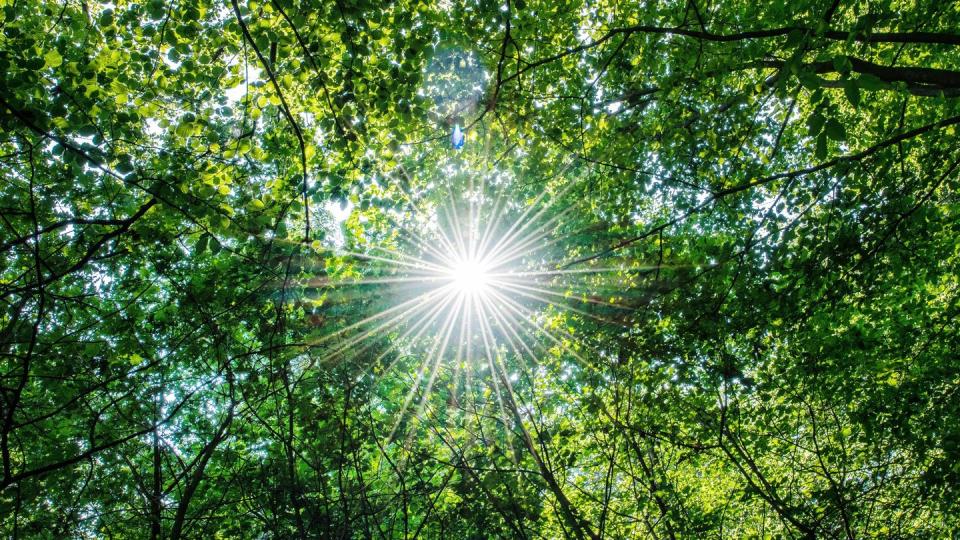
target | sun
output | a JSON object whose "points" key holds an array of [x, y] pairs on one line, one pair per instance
{"points": [[470, 277], [477, 286]]}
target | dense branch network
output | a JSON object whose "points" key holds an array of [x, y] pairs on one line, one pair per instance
{"points": [[693, 271]]}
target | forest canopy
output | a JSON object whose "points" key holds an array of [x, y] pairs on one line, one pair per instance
{"points": [[476, 269]]}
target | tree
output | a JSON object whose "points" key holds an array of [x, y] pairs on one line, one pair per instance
{"points": [[728, 310]]}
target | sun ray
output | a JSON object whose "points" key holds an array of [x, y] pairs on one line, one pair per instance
{"points": [[421, 327], [509, 330], [417, 302], [441, 234], [447, 332], [417, 239], [538, 273], [427, 362], [518, 310], [501, 322], [565, 307], [533, 238], [493, 223], [487, 335], [443, 253], [523, 222], [456, 228], [417, 260], [433, 312], [367, 256], [484, 284], [519, 287], [336, 283]]}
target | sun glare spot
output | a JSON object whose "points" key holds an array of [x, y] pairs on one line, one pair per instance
{"points": [[470, 277]]}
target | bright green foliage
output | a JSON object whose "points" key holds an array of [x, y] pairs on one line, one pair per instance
{"points": [[775, 184]]}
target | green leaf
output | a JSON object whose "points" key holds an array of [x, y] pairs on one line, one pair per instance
{"points": [[842, 64], [125, 165], [852, 91], [201, 244], [821, 149], [794, 38], [52, 59], [184, 130], [808, 79], [835, 130], [815, 123]]}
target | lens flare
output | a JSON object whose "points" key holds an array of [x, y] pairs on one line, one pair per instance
{"points": [[470, 277]]}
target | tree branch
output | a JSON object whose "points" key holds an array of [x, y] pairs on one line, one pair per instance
{"points": [[286, 112]]}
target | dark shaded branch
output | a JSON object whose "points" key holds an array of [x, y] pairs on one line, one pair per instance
{"points": [[941, 38], [197, 477], [850, 158], [840, 159], [58, 225], [920, 81], [43, 470], [286, 113], [341, 130], [90, 253]]}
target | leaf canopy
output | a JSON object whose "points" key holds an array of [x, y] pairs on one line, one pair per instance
{"points": [[741, 216]]}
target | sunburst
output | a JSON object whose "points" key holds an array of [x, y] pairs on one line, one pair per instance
{"points": [[470, 277], [470, 285]]}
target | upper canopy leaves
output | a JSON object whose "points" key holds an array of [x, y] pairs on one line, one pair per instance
{"points": [[749, 213]]}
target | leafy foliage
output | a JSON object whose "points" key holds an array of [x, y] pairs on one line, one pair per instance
{"points": [[753, 212]]}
